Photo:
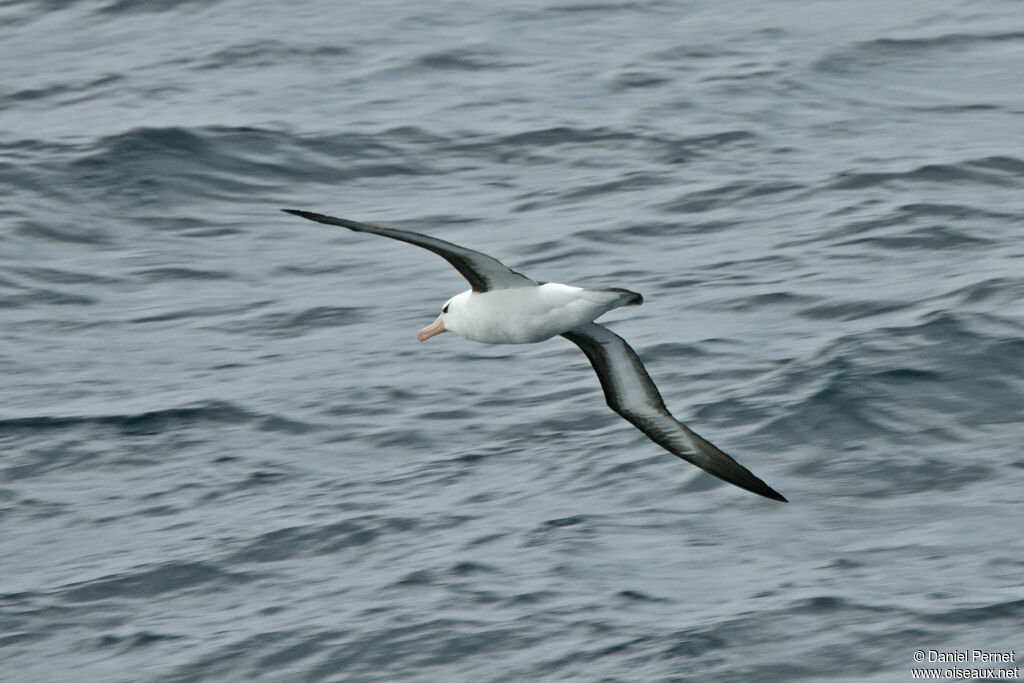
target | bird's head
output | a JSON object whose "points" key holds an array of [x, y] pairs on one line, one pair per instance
{"points": [[448, 320]]}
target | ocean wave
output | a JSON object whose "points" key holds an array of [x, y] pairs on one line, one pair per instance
{"points": [[879, 52], [998, 171], [933, 382], [149, 582], [148, 422]]}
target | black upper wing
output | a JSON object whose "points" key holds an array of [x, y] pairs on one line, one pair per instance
{"points": [[482, 271], [631, 393]]}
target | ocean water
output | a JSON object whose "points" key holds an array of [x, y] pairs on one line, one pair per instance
{"points": [[224, 457]]}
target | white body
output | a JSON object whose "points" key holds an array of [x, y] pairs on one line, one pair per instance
{"points": [[526, 314]]}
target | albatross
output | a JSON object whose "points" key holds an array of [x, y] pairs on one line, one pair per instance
{"points": [[506, 307]]}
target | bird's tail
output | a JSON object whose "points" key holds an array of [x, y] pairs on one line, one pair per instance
{"points": [[626, 297]]}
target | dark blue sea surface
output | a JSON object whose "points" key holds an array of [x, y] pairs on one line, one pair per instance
{"points": [[224, 457]]}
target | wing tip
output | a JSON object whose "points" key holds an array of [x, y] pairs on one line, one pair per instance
{"points": [[771, 493], [330, 220], [712, 460], [749, 481], [746, 480]]}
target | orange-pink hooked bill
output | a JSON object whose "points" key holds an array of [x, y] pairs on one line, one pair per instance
{"points": [[434, 328]]}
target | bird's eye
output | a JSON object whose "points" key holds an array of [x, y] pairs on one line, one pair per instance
{"points": [[445, 309]]}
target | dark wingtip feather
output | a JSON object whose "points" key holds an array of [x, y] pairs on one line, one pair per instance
{"points": [[728, 470], [769, 492], [713, 460], [738, 475], [340, 222], [299, 212]]}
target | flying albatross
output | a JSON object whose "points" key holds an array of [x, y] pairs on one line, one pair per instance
{"points": [[506, 307]]}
